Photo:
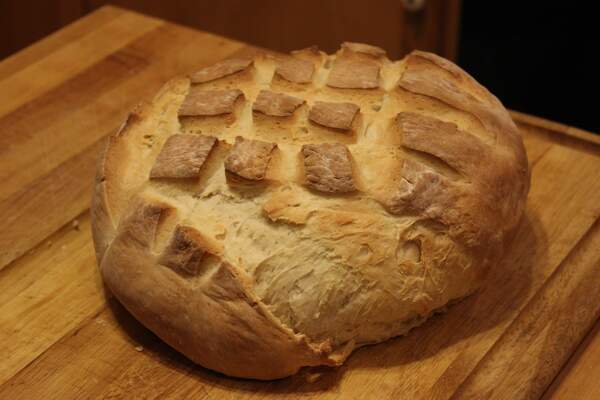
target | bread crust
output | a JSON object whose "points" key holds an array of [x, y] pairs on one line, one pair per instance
{"points": [[337, 238], [198, 320]]}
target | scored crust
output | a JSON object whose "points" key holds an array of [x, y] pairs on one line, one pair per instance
{"points": [[220, 70], [354, 73], [328, 167], [182, 156], [249, 159], [364, 49], [295, 69], [333, 115], [276, 104], [209, 102], [185, 251], [374, 194]]}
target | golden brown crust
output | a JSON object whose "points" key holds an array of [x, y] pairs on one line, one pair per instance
{"points": [[198, 321], [333, 115], [429, 75], [352, 238], [352, 73], [276, 104], [249, 159], [185, 251], [209, 102], [182, 156], [286, 205], [461, 150], [220, 70], [106, 207], [102, 220], [328, 167], [364, 49], [295, 69], [311, 53]]}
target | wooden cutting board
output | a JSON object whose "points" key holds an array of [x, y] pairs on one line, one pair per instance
{"points": [[61, 337]]}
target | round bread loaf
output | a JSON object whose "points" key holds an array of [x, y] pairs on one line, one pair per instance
{"points": [[265, 214]]}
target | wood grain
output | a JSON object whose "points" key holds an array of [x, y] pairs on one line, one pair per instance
{"points": [[63, 337], [544, 335], [68, 34], [46, 294], [68, 60], [579, 378], [273, 24], [41, 143]]}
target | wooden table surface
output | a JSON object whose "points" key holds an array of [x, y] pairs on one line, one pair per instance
{"points": [[531, 332]]}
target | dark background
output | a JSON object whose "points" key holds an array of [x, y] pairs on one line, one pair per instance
{"points": [[536, 56]]}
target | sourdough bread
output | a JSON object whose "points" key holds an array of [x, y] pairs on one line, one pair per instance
{"points": [[265, 214]]}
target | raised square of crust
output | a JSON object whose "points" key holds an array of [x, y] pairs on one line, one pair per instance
{"points": [[418, 189], [295, 70], [354, 73], [312, 54], [249, 159], [333, 115], [328, 167], [460, 150], [208, 102], [364, 49], [139, 227], [220, 69], [182, 156], [184, 252], [276, 104], [430, 75]]}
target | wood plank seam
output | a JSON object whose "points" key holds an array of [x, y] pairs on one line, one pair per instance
{"points": [[5, 268], [62, 272], [57, 39], [128, 52], [87, 321], [565, 257], [570, 358], [579, 377], [591, 230], [23, 88], [52, 172], [548, 267], [123, 62], [68, 334], [88, 148]]}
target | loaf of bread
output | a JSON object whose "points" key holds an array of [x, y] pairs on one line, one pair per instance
{"points": [[269, 213]]}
